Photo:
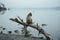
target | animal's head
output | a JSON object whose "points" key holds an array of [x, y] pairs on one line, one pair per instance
{"points": [[30, 14]]}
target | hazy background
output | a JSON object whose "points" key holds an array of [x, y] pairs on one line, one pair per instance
{"points": [[31, 3], [44, 11]]}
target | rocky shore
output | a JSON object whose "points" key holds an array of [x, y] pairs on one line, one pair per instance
{"points": [[17, 37]]}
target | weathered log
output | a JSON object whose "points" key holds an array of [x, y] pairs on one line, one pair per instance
{"points": [[37, 27]]}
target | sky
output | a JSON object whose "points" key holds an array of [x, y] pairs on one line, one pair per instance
{"points": [[31, 3]]}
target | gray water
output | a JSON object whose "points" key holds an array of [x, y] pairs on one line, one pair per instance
{"points": [[51, 17]]}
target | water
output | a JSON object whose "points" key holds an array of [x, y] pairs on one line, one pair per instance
{"points": [[51, 17]]}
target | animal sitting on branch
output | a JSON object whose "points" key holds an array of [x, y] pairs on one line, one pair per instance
{"points": [[28, 23], [29, 19]]}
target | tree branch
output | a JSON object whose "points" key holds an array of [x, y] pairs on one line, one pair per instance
{"points": [[37, 27]]}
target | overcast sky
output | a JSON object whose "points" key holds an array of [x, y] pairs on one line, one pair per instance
{"points": [[31, 3]]}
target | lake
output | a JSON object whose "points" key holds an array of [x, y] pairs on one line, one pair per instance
{"points": [[51, 17]]}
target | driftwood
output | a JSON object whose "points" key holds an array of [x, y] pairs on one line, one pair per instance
{"points": [[37, 27]]}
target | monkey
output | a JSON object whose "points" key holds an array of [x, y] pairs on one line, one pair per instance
{"points": [[29, 19]]}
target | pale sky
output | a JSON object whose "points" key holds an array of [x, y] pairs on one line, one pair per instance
{"points": [[31, 3]]}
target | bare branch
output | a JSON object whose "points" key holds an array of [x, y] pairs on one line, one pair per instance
{"points": [[20, 19], [37, 27], [15, 20]]}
